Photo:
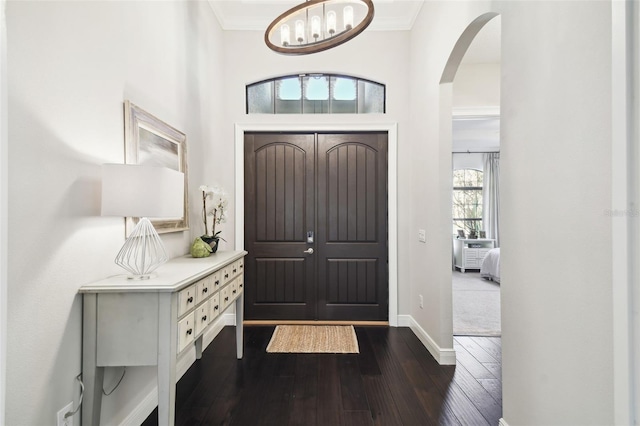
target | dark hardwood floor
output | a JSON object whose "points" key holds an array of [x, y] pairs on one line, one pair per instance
{"points": [[392, 381]]}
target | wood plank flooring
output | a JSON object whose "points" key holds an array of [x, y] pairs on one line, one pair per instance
{"points": [[392, 381]]}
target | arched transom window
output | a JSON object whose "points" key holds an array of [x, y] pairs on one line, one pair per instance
{"points": [[316, 94]]}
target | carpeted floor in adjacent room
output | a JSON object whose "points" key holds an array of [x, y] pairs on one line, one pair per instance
{"points": [[476, 305]]}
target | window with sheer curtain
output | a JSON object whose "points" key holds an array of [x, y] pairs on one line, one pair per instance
{"points": [[467, 200], [316, 94]]}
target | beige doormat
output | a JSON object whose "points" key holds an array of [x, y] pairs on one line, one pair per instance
{"points": [[333, 339]]}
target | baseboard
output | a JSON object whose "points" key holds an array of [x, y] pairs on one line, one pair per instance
{"points": [[150, 402], [316, 322], [404, 320], [502, 422], [444, 356]]}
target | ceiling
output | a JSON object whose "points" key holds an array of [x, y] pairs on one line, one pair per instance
{"points": [[390, 15], [257, 14]]}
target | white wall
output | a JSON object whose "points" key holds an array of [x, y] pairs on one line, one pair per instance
{"points": [[71, 65], [477, 86], [556, 158], [4, 185], [433, 37], [556, 109]]}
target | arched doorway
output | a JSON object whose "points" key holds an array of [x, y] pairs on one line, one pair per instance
{"points": [[475, 175], [475, 312]]}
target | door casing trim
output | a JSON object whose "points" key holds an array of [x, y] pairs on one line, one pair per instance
{"points": [[392, 185]]}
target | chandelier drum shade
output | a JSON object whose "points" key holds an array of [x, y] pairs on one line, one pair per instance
{"points": [[317, 25]]}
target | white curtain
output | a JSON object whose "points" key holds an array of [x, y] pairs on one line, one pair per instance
{"points": [[491, 196]]}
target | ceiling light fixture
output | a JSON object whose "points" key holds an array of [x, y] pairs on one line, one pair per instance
{"points": [[317, 25]]}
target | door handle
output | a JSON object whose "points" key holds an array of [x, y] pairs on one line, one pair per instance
{"points": [[308, 251]]}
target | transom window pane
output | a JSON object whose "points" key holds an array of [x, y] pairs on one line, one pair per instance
{"points": [[373, 97], [344, 89], [260, 98], [316, 94], [289, 89], [316, 88]]}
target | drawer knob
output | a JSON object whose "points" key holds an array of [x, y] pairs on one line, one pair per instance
{"points": [[206, 289], [226, 299], [226, 275], [217, 282], [189, 331], [234, 271], [215, 308], [204, 318], [235, 291], [190, 299]]}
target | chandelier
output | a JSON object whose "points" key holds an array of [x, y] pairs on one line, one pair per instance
{"points": [[317, 25]]}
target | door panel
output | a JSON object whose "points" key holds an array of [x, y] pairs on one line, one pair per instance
{"points": [[279, 209], [352, 227], [335, 186]]}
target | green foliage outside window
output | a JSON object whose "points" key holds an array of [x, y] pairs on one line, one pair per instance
{"points": [[467, 200]]}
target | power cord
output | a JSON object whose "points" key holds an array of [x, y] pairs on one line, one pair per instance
{"points": [[124, 370], [79, 379], [71, 413]]}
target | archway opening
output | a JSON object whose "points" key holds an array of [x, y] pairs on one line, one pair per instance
{"points": [[469, 128]]}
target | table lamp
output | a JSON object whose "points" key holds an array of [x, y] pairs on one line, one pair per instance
{"points": [[132, 190]]}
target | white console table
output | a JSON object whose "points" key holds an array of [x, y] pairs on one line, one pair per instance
{"points": [[150, 322], [468, 253]]}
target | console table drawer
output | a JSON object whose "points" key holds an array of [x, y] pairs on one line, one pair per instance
{"points": [[186, 300], [225, 297], [215, 279], [204, 288], [203, 317], [226, 273], [215, 305], [186, 331]]}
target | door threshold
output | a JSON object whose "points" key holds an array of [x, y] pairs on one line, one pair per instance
{"points": [[314, 322]]}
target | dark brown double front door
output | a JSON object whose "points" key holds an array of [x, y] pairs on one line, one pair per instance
{"points": [[316, 226]]}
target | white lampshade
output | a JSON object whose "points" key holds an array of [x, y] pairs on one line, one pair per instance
{"points": [[316, 25], [131, 190], [331, 22], [285, 37], [300, 31], [348, 17]]}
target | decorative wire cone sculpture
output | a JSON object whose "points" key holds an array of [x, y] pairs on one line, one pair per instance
{"points": [[143, 251]]}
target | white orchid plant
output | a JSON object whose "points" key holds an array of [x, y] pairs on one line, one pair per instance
{"points": [[219, 198]]}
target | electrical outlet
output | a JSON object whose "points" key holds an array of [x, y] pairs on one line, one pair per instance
{"points": [[422, 236], [421, 302], [62, 421]]}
